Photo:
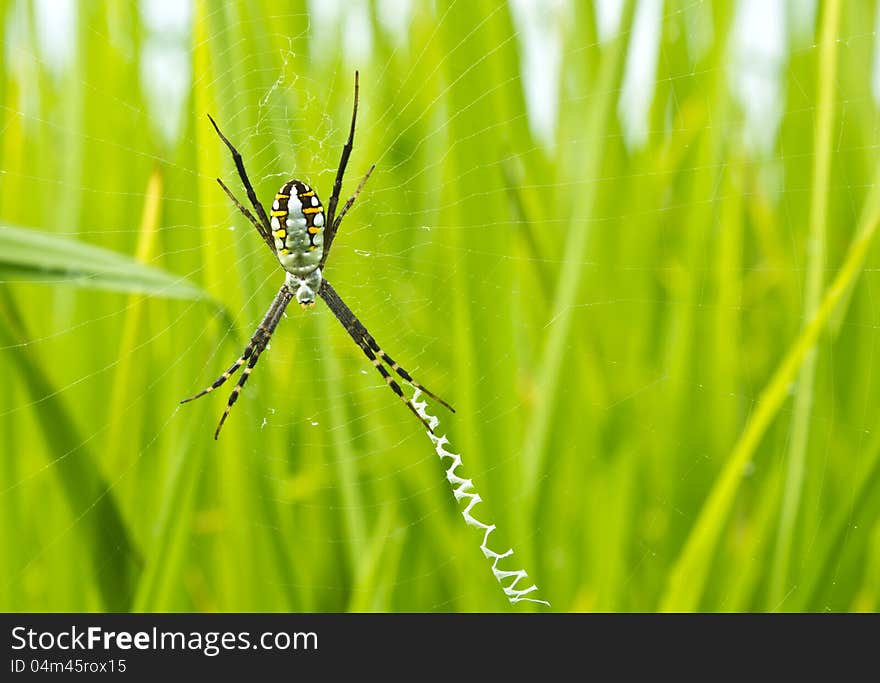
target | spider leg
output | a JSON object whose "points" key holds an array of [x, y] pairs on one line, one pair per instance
{"points": [[236, 390], [351, 199], [266, 238], [389, 380], [270, 322], [343, 161], [389, 361], [252, 351], [252, 196], [371, 349], [330, 232], [248, 350]]}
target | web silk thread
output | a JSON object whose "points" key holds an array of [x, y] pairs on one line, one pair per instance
{"points": [[463, 489]]}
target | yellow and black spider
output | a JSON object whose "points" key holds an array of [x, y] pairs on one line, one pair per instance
{"points": [[296, 235]]}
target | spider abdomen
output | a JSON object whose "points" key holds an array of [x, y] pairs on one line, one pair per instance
{"points": [[298, 228]]}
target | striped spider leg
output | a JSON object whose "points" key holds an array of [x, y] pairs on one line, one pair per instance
{"points": [[374, 352], [299, 234], [251, 353]]}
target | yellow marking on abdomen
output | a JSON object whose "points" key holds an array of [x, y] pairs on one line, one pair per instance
{"points": [[314, 231], [310, 193], [279, 212], [280, 234], [282, 196], [312, 209]]}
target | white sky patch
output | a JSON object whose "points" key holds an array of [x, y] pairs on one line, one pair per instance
{"points": [[608, 14], [56, 32], [699, 31], [167, 16], [356, 39], [165, 62], [540, 23], [758, 53], [802, 19], [757, 58], [323, 14], [539, 26], [358, 33], [640, 77], [165, 73], [396, 16]]}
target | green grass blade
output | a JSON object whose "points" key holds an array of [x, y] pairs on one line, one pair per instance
{"points": [[689, 574], [159, 586], [29, 255], [96, 516], [816, 259], [859, 514], [573, 254]]}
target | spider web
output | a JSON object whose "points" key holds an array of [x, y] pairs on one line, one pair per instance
{"points": [[324, 494]]}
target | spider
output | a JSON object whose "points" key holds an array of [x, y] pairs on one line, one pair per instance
{"points": [[297, 236]]}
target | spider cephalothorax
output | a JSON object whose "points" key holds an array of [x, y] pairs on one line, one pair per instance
{"points": [[300, 236]]}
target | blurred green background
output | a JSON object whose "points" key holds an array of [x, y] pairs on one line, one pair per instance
{"points": [[631, 243]]}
